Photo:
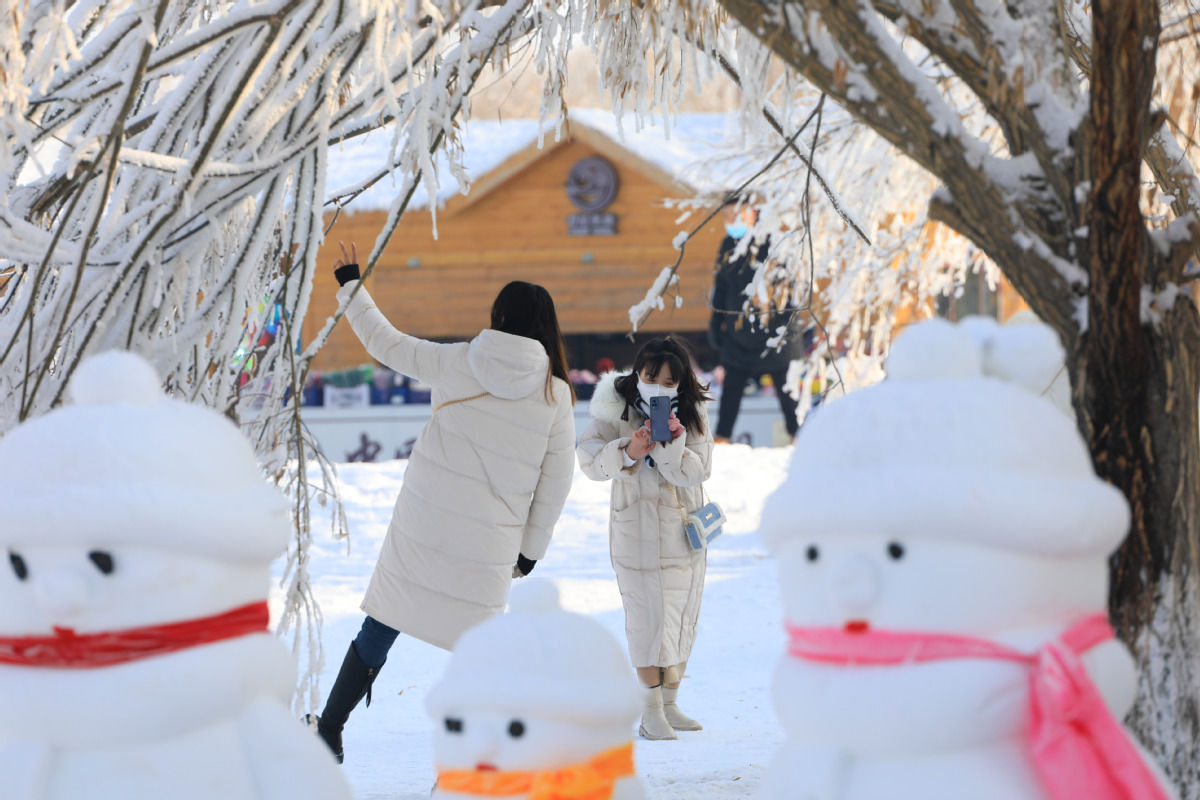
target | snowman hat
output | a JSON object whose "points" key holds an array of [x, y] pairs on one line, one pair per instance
{"points": [[539, 660], [123, 464], [958, 442]]}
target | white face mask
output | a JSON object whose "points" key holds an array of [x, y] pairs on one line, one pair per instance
{"points": [[648, 390]]}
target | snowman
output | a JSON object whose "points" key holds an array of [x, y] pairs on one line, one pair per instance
{"points": [[135, 657], [537, 703], [943, 548]]}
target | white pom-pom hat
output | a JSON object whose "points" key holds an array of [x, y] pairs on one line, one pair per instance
{"points": [[942, 448], [541, 660], [121, 463]]}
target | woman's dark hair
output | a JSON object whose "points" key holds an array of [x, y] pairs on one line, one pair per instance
{"points": [[676, 356], [526, 309]]}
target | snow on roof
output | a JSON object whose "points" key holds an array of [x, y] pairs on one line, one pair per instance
{"points": [[691, 140]]}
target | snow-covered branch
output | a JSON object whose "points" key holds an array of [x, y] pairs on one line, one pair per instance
{"points": [[164, 170], [1177, 179], [772, 117], [861, 58]]}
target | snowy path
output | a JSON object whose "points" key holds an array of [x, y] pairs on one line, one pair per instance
{"points": [[388, 746]]}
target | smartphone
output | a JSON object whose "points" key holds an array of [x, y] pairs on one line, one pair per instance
{"points": [[660, 416]]}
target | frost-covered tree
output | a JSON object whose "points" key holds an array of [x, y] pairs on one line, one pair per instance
{"points": [[165, 186], [1059, 132]]}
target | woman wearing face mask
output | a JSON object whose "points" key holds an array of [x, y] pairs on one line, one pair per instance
{"points": [[655, 484]]}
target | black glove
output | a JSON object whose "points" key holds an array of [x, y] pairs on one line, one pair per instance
{"points": [[346, 273], [524, 566]]}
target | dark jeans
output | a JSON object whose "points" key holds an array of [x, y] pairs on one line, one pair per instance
{"points": [[731, 399], [373, 642]]}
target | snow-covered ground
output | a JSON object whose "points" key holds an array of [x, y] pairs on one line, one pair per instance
{"points": [[389, 751]]}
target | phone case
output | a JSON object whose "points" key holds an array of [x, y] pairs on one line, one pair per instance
{"points": [[660, 415]]}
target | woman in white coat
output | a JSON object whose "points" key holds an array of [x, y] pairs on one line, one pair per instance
{"points": [[654, 486], [485, 484]]}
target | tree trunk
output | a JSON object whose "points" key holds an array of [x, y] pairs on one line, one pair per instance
{"points": [[1150, 449], [1142, 425], [1132, 336], [1136, 382]]}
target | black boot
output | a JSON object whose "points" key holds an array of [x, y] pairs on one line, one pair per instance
{"points": [[353, 683]]}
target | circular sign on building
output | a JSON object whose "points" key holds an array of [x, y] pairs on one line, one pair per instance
{"points": [[592, 186]]}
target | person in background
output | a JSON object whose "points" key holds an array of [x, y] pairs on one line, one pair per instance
{"points": [[740, 338], [485, 484], [654, 486]]}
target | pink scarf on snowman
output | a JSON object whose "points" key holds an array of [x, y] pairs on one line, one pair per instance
{"points": [[1079, 749]]}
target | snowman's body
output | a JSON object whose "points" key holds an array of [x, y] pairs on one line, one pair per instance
{"points": [[197, 724], [943, 731], [987, 773], [135, 657], [938, 535]]}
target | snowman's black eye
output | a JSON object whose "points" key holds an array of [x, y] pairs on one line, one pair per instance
{"points": [[18, 565], [516, 729], [812, 552], [453, 725], [102, 560], [895, 550]]}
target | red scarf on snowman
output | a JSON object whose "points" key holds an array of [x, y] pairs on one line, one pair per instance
{"points": [[67, 649], [1079, 749]]}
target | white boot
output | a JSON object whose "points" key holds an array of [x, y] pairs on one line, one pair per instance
{"points": [[676, 718], [654, 722]]}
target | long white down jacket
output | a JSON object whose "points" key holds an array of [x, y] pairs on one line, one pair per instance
{"points": [[660, 577], [487, 478]]}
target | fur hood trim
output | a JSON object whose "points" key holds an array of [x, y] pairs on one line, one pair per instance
{"points": [[606, 405]]}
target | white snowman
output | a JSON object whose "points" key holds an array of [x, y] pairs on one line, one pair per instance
{"points": [[943, 548], [135, 657], [537, 702]]}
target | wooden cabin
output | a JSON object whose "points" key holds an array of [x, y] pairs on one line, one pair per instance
{"points": [[584, 217]]}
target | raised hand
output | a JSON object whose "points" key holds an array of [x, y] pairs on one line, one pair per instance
{"points": [[347, 258], [345, 269]]}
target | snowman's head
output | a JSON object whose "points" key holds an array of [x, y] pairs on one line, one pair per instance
{"points": [[536, 688], [513, 739], [944, 498], [98, 586], [125, 509], [913, 582]]}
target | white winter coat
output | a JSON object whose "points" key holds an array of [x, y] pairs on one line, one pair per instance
{"points": [[660, 577], [487, 478]]}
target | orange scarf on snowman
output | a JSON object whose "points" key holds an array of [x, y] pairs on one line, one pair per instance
{"points": [[592, 780]]}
